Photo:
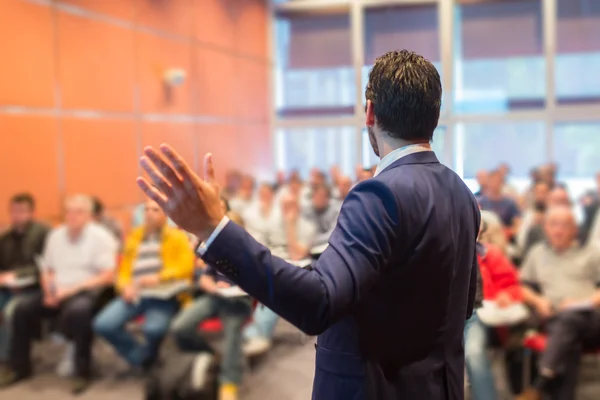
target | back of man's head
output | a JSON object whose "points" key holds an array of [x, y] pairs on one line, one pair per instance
{"points": [[406, 93]]}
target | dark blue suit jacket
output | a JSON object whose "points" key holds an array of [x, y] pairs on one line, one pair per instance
{"points": [[390, 295]]}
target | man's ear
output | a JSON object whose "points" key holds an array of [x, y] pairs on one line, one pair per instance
{"points": [[370, 114]]}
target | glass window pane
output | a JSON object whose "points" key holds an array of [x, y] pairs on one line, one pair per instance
{"points": [[401, 27], [314, 74], [486, 145], [578, 52], [369, 158], [499, 62], [322, 147], [577, 149]]}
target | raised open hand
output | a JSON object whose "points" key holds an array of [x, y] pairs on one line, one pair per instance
{"points": [[191, 202]]}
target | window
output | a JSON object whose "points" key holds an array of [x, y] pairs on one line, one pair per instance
{"points": [[576, 148], [578, 51], [314, 74], [413, 28], [305, 148], [369, 158], [499, 62], [521, 145]]}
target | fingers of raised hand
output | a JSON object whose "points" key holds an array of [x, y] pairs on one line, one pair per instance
{"points": [[157, 178], [152, 192], [179, 164], [162, 166]]}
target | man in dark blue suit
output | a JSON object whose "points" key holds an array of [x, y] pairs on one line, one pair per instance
{"points": [[390, 295]]}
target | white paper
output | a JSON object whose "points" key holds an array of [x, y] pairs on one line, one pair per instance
{"points": [[166, 291], [231, 291], [318, 250], [581, 306], [492, 315], [18, 283], [300, 263]]}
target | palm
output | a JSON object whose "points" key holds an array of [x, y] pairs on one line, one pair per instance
{"points": [[191, 202]]}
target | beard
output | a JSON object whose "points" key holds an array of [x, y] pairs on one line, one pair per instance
{"points": [[373, 140]]}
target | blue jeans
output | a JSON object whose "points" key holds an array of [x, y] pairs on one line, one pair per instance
{"points": [[233, 313], [8, 302], [111, 325], [479, 368], [263, 324]]}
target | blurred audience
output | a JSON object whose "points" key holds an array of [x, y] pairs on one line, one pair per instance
{"points": [[293, 218], [560, 282], [233, 313], [290, 237], [78, 264], [499, 284]]}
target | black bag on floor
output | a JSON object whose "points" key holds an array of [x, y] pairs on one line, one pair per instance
{"points": [[184, 376]]}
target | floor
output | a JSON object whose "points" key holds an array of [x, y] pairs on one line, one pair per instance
{"points": [[285, 374], [292, 358]]}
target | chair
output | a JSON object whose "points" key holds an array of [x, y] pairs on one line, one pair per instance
{"points": [[536, 343], [215, 326]]}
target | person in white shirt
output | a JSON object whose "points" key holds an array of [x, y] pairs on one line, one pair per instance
{"points": [[323, 214], [244, 197], [78, 265], [261, 214]]}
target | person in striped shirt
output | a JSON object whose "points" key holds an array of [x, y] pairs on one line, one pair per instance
{"points": [[157, 260]]}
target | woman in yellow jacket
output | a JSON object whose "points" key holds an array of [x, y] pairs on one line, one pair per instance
{"points": [[157, 264]]}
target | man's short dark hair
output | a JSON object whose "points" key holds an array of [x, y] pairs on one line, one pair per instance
{"points": [[23, 198], [406, 93]]}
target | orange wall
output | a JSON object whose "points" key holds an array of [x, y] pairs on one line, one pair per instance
{"points": [[81, 92]]}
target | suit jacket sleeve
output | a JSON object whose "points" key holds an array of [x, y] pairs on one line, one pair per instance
{"points": [[359, 248]]}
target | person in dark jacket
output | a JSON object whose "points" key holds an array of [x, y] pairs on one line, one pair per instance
{"points": [[19, 248]]}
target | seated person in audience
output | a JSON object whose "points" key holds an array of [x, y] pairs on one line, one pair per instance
{"points": [[343, 188], [499, 283], [20, 246], [364, 174], [296, 188], [232, 184], [109, 223], [78, 265], [507, 189], [280, 180], [494, 232], [244, 196], [557, 197], [154, 254], [531, 215], [233, 313], [560, 282], [493, 199], [291, 238], [481, 177], [260, 215], [323, 214]]}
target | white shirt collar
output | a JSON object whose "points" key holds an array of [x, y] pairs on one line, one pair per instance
{"points": [[399, 153]]}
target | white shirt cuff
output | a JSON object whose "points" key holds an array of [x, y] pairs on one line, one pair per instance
{"points": [[203, 246]]}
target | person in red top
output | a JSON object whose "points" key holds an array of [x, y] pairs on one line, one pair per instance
{"points": [[499, 276], [500, 283]]}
